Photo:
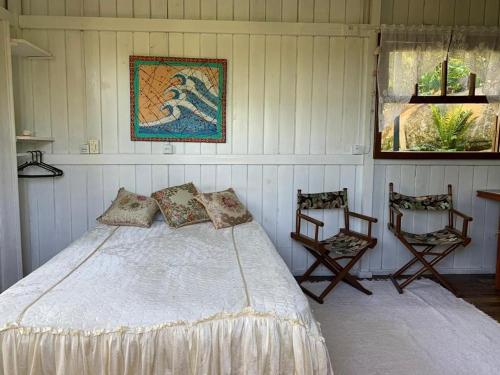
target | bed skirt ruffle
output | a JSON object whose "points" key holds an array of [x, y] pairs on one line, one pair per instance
{"points": [[243, 343]]}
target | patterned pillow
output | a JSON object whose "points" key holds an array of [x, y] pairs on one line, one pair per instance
{"points": [[129, 209], [179, 207], [224, 208]]}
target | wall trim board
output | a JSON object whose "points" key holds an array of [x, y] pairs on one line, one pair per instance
{"points": [[194, 26], [436, 162], [177, 159]]}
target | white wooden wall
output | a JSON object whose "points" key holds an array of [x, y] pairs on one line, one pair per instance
{"points": [[10, 241], [56, 212], [338, 11], [433, 178], [286, 94]]}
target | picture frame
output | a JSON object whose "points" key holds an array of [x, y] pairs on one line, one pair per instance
{"points": [[174, 99]]}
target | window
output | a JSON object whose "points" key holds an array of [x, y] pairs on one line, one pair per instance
{"points": [[436, 110]]}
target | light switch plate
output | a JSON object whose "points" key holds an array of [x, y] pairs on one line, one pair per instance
{"points": [[168, 148], [357, 149], [84, 149], [93, 146]]}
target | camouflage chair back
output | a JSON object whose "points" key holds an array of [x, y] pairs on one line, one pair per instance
{"points": [[346, 244], [423, 245]]}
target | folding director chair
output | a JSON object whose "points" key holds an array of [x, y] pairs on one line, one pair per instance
{"points": [[347, 244], [448, 238]]}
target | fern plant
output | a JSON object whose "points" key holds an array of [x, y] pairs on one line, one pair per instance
{"points": [[451, 126]]}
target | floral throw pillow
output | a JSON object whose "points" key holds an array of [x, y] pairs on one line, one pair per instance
{"points": [[179, 207], [130, 209], [224, 208]]}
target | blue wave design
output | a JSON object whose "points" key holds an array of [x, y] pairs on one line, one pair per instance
{"points": [[188, 123], [200, 87]]}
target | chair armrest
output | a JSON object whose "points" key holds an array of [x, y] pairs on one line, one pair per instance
{"points": [[311, 219], [465, 221], [394, 210], [462, 215], [363, 217], [318, 224]]}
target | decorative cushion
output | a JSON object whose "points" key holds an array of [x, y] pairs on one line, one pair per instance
{"points": [[332, 199], [441, 202], [224, 208], [179, 207], [343, 244], [130, 209]]}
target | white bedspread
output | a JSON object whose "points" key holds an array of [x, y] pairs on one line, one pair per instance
{"points": [[195, 300]]}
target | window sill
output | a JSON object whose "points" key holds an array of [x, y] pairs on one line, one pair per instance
{"points": [[417, 155]]}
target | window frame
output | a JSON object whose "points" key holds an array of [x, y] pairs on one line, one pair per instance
{"points": [[444, 98]]}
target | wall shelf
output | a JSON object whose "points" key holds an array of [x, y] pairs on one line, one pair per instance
{"points": [[30, 138], [23, 48]]}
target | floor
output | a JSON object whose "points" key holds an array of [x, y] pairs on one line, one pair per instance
{"points": [[424, 331], [480, 291]]}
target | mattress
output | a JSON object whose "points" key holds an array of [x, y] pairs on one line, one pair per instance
{"points": [[194, 300]]}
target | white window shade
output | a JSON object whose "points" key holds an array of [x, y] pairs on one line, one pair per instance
{"points": [[409, 52]]}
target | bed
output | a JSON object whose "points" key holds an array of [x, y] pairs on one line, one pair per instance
{"points": [[194, 300]]}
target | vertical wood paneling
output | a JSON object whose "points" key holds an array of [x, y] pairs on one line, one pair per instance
{"points": [[109, 105], [58, 95], [240, 93], [319, 95], [416, 12], [41, 85], [257, 10], [303, 94], [76, 90], [124, 48], [241, 10], [335, 96], [93, 77], [126, 9], [192, 9], [272, 94], [287, 102], [256, 86], [352, 92]]}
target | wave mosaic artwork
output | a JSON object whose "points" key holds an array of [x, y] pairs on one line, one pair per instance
{"points": [[177, 99]]}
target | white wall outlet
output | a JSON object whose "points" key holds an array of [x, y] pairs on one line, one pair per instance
{"points": [[357, 149], [168, 148], [93, 146], [84, 149]]}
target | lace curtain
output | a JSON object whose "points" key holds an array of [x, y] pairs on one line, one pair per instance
{"points": [[407, 52]]}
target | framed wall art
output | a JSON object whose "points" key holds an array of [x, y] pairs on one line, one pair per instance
{"points": [[177, 99]]}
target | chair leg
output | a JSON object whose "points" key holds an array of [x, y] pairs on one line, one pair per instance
{"points": [[410, 263], [428, 266], [348, 278], [342, 274], [309, 271]]}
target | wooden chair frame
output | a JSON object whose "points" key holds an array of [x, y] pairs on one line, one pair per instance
{"points": [[394, 225], [322, 255]]}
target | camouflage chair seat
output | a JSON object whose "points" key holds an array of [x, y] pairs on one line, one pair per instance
{"points": [[448, 238], [347, 244], [343, 244], [438, 237]]}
